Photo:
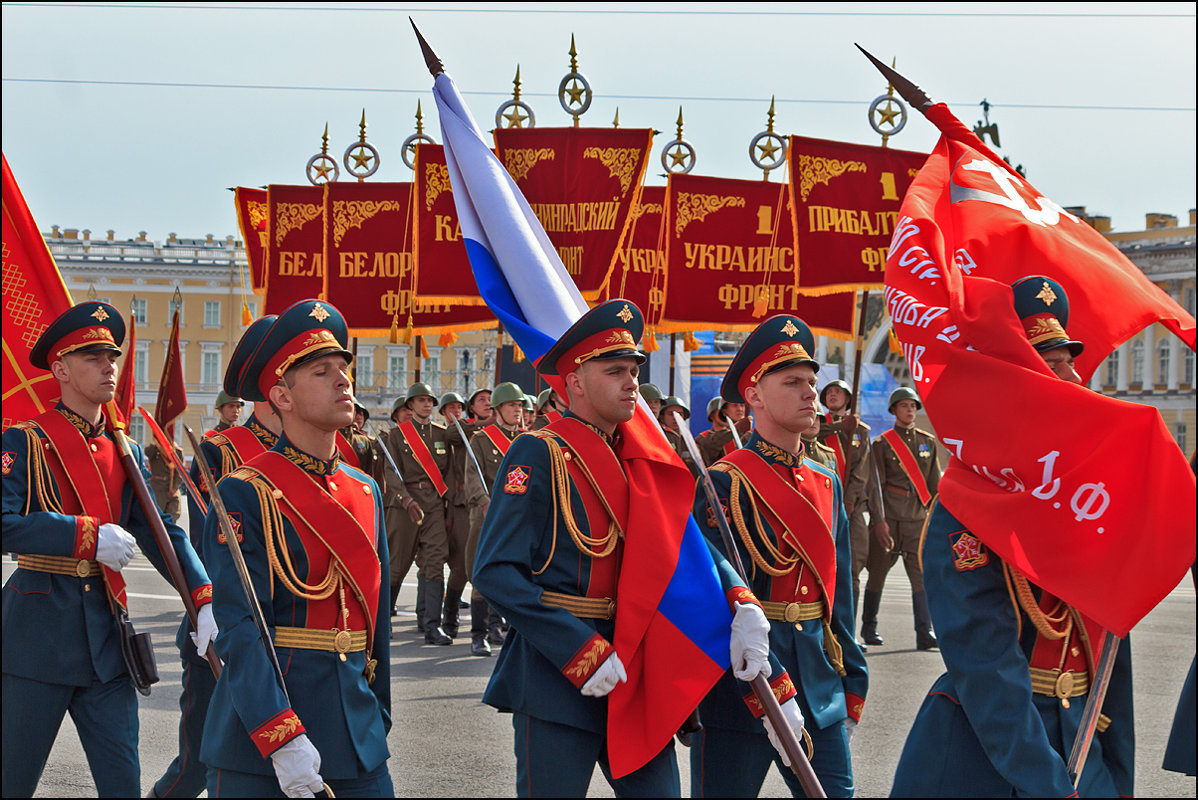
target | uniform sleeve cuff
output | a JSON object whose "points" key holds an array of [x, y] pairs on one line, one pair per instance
{"points": [[202, 595], [855, 704], [277, 731], [87, 531], [784, 689], [586, 660], [741, 594]]}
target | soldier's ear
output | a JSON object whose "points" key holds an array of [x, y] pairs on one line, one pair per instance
{"points": [[60, 370], [280, 397]]}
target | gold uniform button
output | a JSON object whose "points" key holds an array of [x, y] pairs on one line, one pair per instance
{"points": [[827, 481], [365, 488], [277, 494], [804, 590], [94, 448], [87, 587], [332, 486], [1073, 651], [566, 455]]}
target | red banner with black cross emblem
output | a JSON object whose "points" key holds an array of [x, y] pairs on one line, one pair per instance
{"points": [[251, 219], [640, 272], [844, 202], [443, 273], [582, 184], [294, 246], [730, 260]]}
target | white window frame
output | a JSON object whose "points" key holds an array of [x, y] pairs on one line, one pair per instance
{"points": [[212, 314]]}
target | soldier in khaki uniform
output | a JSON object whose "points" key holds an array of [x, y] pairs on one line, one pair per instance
{"points": [[718, 442], [489, 444], [228, 411], [164, 478], [457, 515], [669, 426], [819, 453], [549, 409], [402, 515], [909, 469], [421, 449]]}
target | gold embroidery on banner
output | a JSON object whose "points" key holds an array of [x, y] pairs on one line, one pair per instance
{"points": [[436, 181], [817, 169], [293, 216], [641, 209], [257, 212], [695, 207], [521, 160], [620, 162], [587, 662], [352, 213]]}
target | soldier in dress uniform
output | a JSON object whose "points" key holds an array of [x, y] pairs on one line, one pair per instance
{"points": [[224, 451], [909, 470], [457, 521], [848, 437], [73, 520], [420, 448], [787, 513], [549, 560], [1002, 720], [228, 410], [669, 426], [311, 530], [490, 444]]}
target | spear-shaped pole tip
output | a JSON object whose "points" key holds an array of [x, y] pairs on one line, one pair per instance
{"points": [[906, 89], [435, 67]]}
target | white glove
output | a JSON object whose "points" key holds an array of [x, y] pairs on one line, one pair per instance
{"points": [[114, 548], [206, 630], [790, 710], [850, 727], [610, 673], [750, 642], [297, 766]]}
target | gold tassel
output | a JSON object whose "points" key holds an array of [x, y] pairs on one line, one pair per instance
{"points": [[649, 342], [895, 347], [447, 339], [247, 318], [408, 333], [690, 342], [394, 337], [423, 348], [517, 353], [762, 303]]}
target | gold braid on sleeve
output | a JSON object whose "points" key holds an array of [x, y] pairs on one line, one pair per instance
{"points": [[273, 532], [786, 563], [595, 547], [41, 480], [228, 462]]}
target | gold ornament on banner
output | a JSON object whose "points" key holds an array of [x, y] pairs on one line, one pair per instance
{"points": [[361, 158], [515, 113], [678, 155], [574, 92], [887, 114], [767, 150], [407, 150], [322, 168]]}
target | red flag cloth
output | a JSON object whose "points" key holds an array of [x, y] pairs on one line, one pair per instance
{"points": [[845, 200], [640, 273], [34, 296], [126, 389], [1056, 491], [172, 394], [251, 218]]}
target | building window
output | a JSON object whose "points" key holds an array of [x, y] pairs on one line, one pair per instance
{"points": [[211, 313], [173, 306], [141, 361], [1187, 364], [1137, 361], [210, 372], [1162, 361], [253, 307], [137, 429], [396, 371], [1179, 433], [364, 365], [430, 371], [139, 310], [1112, 369], [466, 371]]}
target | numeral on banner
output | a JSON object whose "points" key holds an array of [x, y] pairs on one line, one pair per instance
{"points": [[889, 192], [765, 220]]}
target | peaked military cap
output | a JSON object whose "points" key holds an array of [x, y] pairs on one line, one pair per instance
{"points": [[675, 402], [781, 341], [242, 353], [609, 330], [839, 384], [506, 392], [307, 330], [450, 397], [91, 325], [1043, 308]]}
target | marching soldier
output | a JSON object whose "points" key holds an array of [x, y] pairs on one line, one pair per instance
{"points": [[788, 513], [228, 411], [848, 437], [549, 408], [402, 513], [311, 530], [490, 444], [365, 446], [549, 559], [71, 516], [420, 448], [822, 454], [718, 442], [909, 470], [478, 407], [1002, 720], [669, 426], [530, 413], [224, 451], [653, 396], [164, 478], [457, 521]]}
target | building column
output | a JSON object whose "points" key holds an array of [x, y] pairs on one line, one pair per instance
{"points": [[1173, 381], [1149, 384], [1124, 368]]}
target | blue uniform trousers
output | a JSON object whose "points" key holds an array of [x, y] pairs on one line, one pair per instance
{"points": [[230, 783], [187, 775], [554, 760], [732, 763], [105, 714]]}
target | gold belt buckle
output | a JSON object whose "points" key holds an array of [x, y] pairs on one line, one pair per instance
{"points": [[611, 609], [791, 614], [1063, 688], [83, 569], [341, 643]]}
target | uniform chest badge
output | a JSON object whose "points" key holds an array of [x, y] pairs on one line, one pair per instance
{"points": [[712, 520], [6, 462], [969, 553], [517, 479], [235, 524], [925, 451], [439, 447]]}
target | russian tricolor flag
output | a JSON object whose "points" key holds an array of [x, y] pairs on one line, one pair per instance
{"points": [[673, 627]]}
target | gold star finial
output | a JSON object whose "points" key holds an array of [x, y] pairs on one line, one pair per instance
{"points": [[1047, 294]]}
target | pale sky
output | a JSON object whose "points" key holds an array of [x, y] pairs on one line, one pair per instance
{"points": [[137, 117]]}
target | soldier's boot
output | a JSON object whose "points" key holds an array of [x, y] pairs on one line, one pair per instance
{"points": [[925, 638], [869, 618], [394, 599], [450, 620], [857, 610], [479, 611], [434, 595], [419, 603], [495, 633]]}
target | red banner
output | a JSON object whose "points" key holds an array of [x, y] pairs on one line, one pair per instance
{"points": [[640, 273], [730, 260], [446, 276], [34, 296], [582, 184], [845, 200], [126, 388], [294, 246], [251, 219], [172, 392], [1106, 527]]}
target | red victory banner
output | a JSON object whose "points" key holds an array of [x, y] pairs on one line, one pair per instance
{"points": [[251, 219], [640, 272], [730, 260], [294, 246], [172, 392], [845, 200], [1107, 527], [443, 273], [125, 400], [582, 184]]}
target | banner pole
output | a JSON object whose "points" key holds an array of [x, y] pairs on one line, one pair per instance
{"points": [[673, 352], [860, 351]]}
